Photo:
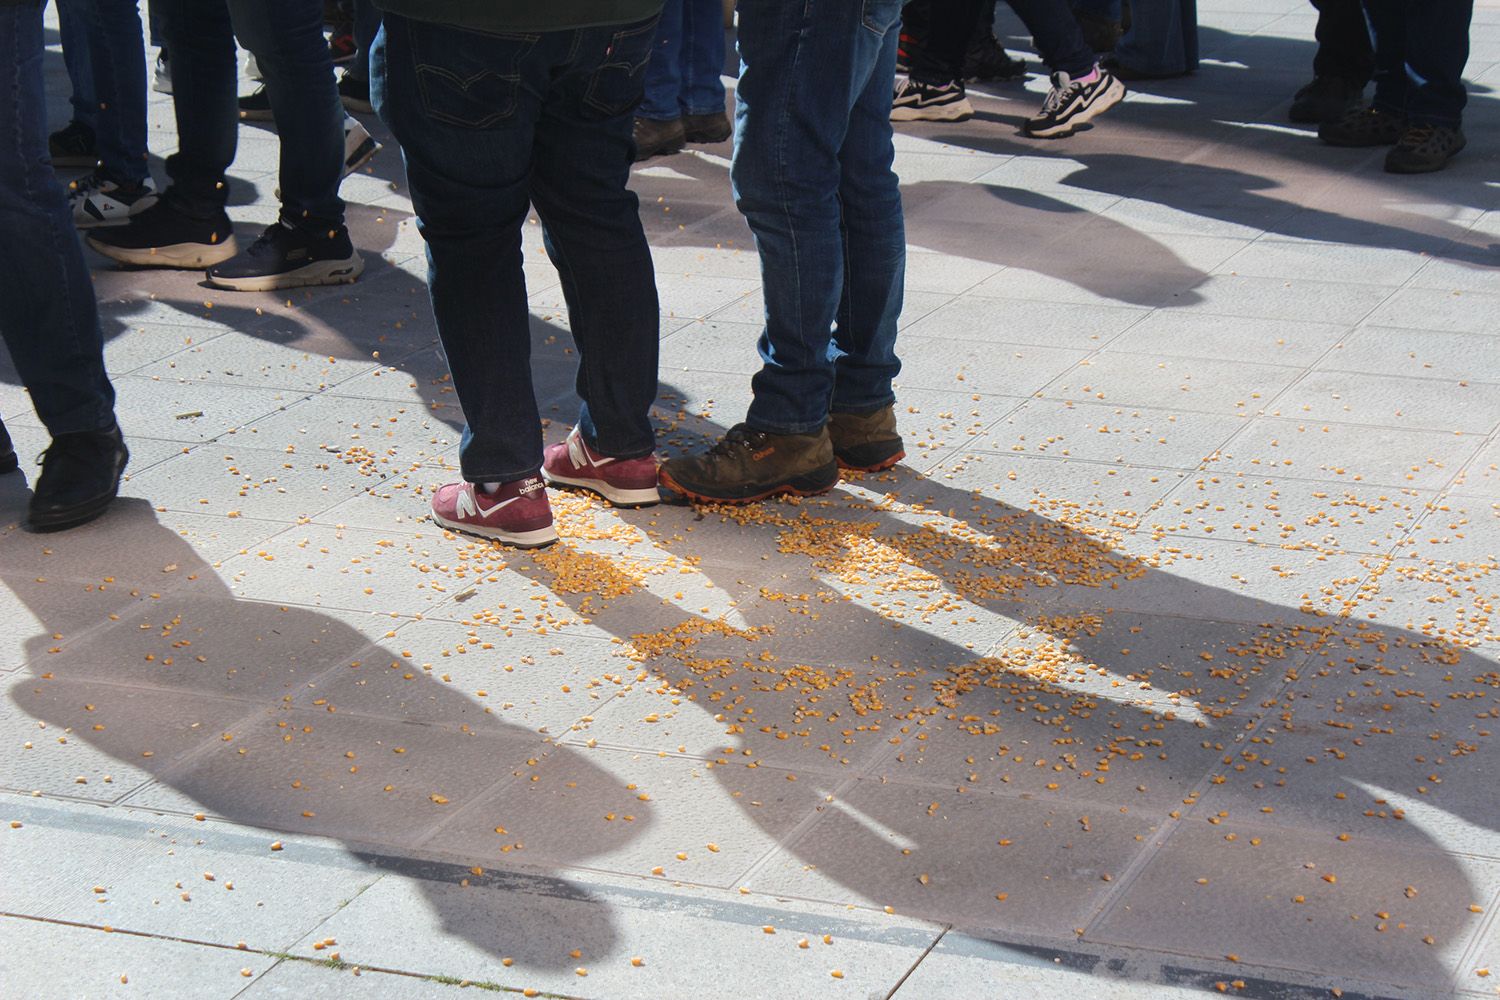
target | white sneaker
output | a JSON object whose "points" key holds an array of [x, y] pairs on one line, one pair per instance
{"points": [[359, 145], [162, 80], [925, 102], [97, 201]]}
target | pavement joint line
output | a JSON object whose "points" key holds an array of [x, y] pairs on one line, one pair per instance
{"points": [[920, 959]]}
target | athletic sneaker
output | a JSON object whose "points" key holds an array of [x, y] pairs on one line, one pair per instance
{"points": [[256, 106], [624, 482], [748, 465], [1423, 149], [355, 94], [1071, 103], [517, 513], [161, 236], [161, 80], [915, 101], [99, 201], [287, 257], [359, 145], [73, 145], [866, 442]]}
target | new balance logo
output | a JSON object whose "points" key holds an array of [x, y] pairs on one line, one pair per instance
{"points": [[468, 504]]}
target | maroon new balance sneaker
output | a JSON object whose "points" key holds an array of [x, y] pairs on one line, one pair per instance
{"points": [[517, 513], [624, 482]]}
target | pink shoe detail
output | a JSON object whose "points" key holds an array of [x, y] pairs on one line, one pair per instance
{"points": [[624, 482], [517, 513]]}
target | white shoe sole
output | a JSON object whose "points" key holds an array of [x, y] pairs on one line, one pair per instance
{"points": [[956, 112], [520, 539], [1113, 94], [617, 497], [322, 272], [182, 256]]}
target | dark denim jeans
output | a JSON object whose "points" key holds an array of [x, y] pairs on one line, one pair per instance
{"points": [[936, 35], [48, 318], [366, 25], [490, 124], [1420, 53], [812, 176], [1343, 42], [1163, 37], [73, 32], [287, 39], [683, 76], [117, 58]]}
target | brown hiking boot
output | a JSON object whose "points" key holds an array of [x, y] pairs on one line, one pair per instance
{"points": [[866, 442], [706, 128], [657, 138], [748, 465]]}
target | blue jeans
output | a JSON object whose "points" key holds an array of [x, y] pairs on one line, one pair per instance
{"points": [[117, 57], [1163, 37], [366, 24], [73, 31], [49, 321], [1420, 52], [489, 125], [683, 75], [812, 176], [286, 37]]}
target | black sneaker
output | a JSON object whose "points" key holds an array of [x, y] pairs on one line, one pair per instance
{"points": [[80, 476], [287, 257], [256, 106], [706, 128], [1423, 149], [1324, 99], [988, 60], [8, 462], [748, 465], [658, 138], [355, 94], [915, 101], [866, 442], [161, 236], [1072, 103], [1363, 127], [73, 145]]}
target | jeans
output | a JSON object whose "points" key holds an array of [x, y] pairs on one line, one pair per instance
{"points": [[366, 24], [490, 124], [812, 176], [1343, 42], [73, 31], [117, 55], [286, 37], [935, 36], [1163, 37], [49, 322], [1055, 33], [683, 75], [1420, 52]]}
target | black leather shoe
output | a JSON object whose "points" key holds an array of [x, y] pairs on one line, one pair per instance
{"points": [[80, 476], [8, 461]]}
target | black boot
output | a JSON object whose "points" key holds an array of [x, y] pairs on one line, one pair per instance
{"points": [[80, 476], [8, 461]]}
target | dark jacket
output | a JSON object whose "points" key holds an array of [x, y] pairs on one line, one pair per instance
{"points": [[523, 15]]}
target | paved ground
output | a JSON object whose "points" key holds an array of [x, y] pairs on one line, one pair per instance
{"points": [[1164, 665]]}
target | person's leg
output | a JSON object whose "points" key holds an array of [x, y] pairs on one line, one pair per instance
{"points": [[468, 165], [591, 222], [936, 43], [49, 322], [702, 61], [1343, 37], [366, 25], [117, 54], [1162, 40], [200, 37], [1058, 38], [1388, 25], [73, 30], [1437, 48], [664, 73], [287, 39], [874, 238]]}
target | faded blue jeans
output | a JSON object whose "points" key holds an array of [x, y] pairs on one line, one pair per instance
{"points": [[813, 177], [491, 125], [49, 320], [683, 75]]}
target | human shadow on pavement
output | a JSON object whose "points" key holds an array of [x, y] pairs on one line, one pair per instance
{"points": [[998, 714], [290, 720]]}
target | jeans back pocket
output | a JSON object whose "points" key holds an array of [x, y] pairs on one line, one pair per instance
{"points": [[470, 79], [617, 86]]}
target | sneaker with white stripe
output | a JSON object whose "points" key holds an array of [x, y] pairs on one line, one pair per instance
{"points": [[624, 482], [1072, 103], [915, 101]]}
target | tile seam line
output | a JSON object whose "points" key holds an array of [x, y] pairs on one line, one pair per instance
{"points": [[920, 959]]}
